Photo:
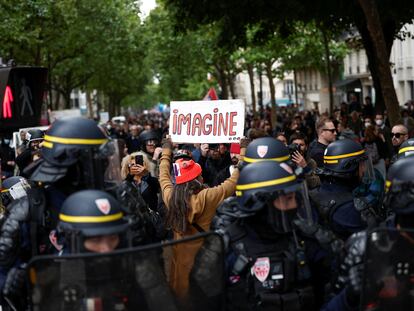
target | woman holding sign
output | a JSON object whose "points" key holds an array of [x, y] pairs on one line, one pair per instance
{"points": [[190, 209]]}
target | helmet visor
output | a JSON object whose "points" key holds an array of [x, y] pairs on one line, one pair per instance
{"points": [[366, 170], [290, 204], [101, 168], [109, 152]]}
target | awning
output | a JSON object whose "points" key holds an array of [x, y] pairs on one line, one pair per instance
{"points": [[345, 82]]}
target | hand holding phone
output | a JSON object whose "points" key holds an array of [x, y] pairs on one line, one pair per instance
{"points": [[139, 159]]}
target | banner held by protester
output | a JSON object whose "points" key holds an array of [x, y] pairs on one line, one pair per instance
{"points": [[219, 121]]}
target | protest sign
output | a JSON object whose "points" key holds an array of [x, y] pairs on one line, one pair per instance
{"points": [[218, 121]]}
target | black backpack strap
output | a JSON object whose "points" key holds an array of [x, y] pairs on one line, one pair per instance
{"points": [[37, 208]]}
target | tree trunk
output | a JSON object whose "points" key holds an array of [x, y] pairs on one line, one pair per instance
{"points": [[222, 80], [49, 81], [66, 97], [295, 78], [328, 70], [269, 74], [369, 7], [230, 82], [259, 72], [89, 104], [252, 89], [389, 31], [57, 100]]}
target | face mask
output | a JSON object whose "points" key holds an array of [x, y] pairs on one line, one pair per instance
{"points": [[6, 141], [379, 122], [367, 124]]}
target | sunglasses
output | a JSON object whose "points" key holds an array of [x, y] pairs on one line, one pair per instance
{"points": [[330, 130], [397, 135]]}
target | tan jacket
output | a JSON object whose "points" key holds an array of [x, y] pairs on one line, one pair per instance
{"points": [[203, 208]]}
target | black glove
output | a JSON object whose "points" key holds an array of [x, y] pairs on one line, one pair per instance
{"points": [[325, 237], [9, 242], [14, 286], [353, 290]]}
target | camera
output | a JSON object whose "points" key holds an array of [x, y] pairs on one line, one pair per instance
{"points": [[293, 148]]}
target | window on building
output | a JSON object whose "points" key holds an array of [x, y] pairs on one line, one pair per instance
{"points": [[357, 69], [350, 70]]}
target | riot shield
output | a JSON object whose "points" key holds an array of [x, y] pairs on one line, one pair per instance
{"points": [[388, 277], [143, 278]]}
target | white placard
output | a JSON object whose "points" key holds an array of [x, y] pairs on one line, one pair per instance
{"points": [[212, 121]]}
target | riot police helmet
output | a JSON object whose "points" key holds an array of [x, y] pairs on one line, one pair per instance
{"points": [[148, 136], [78, 147], [90, 213], [342, 158], [34, 137], [266, 148], [34, 134], [406, 148], [13, 188], [272, 191], [399, 196]]}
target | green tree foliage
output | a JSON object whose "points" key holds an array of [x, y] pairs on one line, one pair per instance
{"points": [[84, 43], [178, 62], [368, 16]]}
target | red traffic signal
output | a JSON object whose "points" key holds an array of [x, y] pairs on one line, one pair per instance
{"points": [[21, 96]]}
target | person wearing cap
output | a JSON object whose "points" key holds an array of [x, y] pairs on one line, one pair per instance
{"points": [[190, 208]]}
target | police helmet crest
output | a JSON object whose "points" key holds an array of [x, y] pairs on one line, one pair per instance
{"points": [[266, 148]]}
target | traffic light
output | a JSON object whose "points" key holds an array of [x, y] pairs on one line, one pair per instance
{"points": [[21, 96]]}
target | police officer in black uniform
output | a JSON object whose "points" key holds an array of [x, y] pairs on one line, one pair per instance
{"points": [[28, 155], [350, 196], [270, 263], [399, 199], [13, 188], [92, 221], [75, 155]]}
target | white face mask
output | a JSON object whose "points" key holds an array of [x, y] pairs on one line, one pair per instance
{"points": [[367, 124], [379, 122]]}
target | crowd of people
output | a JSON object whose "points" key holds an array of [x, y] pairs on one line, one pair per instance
{"points": [[294, 203]]}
